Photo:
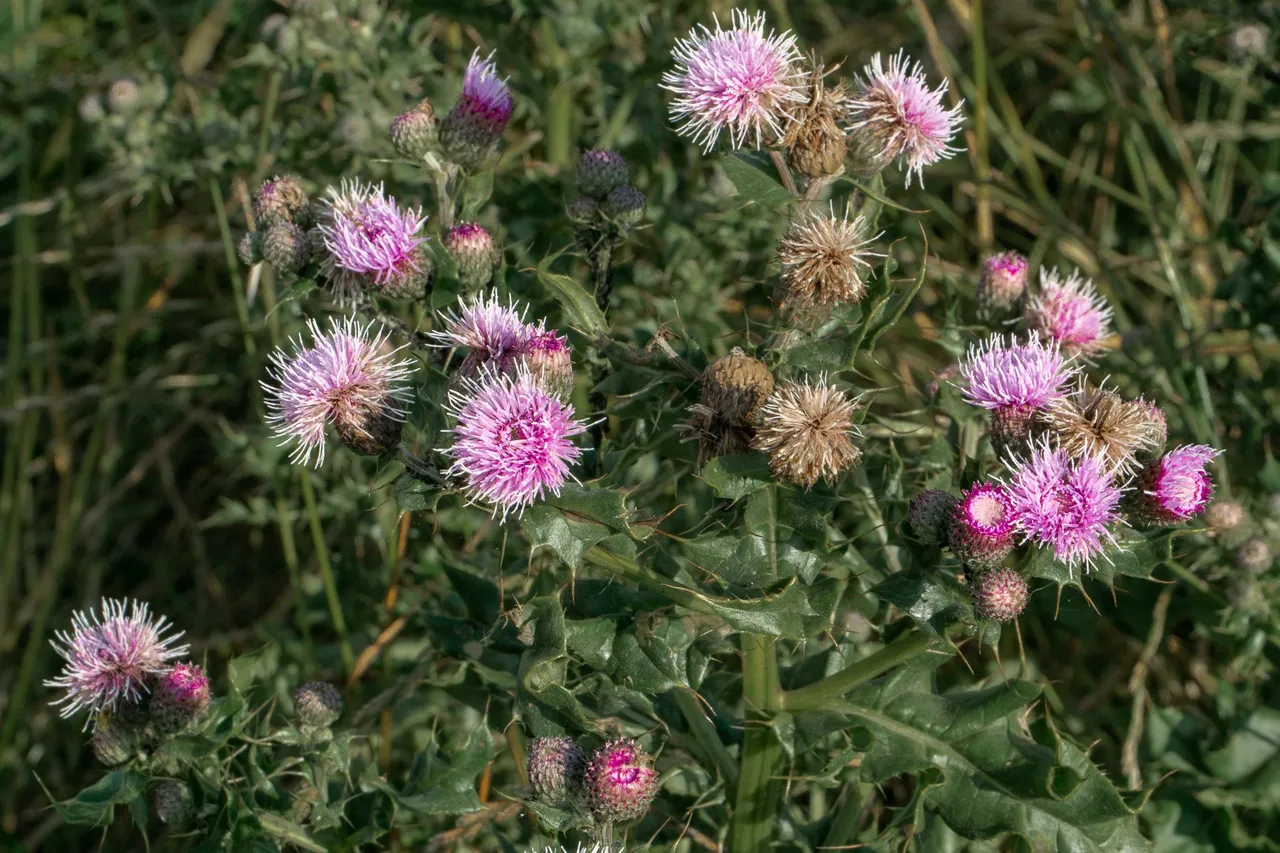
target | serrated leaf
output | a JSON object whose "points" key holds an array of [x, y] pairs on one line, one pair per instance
{"points": [[479, 595], [568, 536], [244, 671], [735, 477], [412, 494], [288, 832], [579, 306], [651, 667], [934, 599], [591, 640], [606, 506], [797, 612], [754, 176], [95, 805], [447, 786]]}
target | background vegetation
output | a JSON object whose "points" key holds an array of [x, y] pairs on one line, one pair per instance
{"points": [[1132, 139]]}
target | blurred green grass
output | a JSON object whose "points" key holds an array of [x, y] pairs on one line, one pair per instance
{"points": [[1125, 138]]}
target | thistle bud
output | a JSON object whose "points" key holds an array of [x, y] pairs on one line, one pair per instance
{"points": [[999, 595], [113, 742], [286, 247], [929, 515], [1011, 426], [474, 252], [180, 699], [318, 704], [282, 199], [733, 389], [414, 133], [1224, 515], [600, 173], [475, 124], [1003, 286], [122, 96], [556, 765], [250, 248], [1156, 428], [981, 534], [583, 210], [620, 782], [624, 205], [172, 801], [1254, 556], [1172, 489], [549, 359]]}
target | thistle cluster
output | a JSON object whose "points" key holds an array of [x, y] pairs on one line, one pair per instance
{"points": [[615, 785]]}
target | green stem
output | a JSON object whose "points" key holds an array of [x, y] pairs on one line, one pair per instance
{"points": [[704, 732], [628, 569], [602, 269], [834, 686], [759, 792], [326, 572]]}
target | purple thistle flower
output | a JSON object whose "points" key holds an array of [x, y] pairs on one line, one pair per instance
{"points": [[368, 237], [981, 527], [738, 80], [513, 440], [897, 116], [495, 333], [1063, 504], [109, 658], [1176, 487], [1069, 312], [348, 377], [997, 375], [484, 95]]}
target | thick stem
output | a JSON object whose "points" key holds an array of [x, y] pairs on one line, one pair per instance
{"points": [[704, 732], [443, 180], [602, 269], [628, 569], [759, 792], [834, 686]]}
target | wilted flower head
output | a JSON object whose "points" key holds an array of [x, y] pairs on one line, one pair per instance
{"points": [[108, 659], [824, 258], [492, 331], [995, 374], [1098, 422], [349, 377], [815, 142], [737, 80], [1063, 504], [723, 420], [807, 431], [1069, 312], [1176, 487], [368, 238], [896, 115], [513, 442]]}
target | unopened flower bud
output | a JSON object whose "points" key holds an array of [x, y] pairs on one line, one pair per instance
{"points": [[318, 704], [1003, 286], [999, 595], [1224, 515], [282, 199], [556, 765], [91, 110], [122, 96], [929, 515], [624, 205], [733, 389], [1254, 556], [474, 253], [286, 247], [549, 359], [180, 699], [172, 801], [250, 248], [981, 534], [414, 133], [583, 210], [620, 782], [376, 433], [113, 742], [600, 173]]}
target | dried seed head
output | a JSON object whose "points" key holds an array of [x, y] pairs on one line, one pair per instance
{"points": [[1224, 515], [733, 389], [824, 259], [807, 431], [1098, 422], [815, 141]]}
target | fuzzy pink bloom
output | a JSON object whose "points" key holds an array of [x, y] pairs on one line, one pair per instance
{"points": [[1063, 504], [367, 237], [995, 375], [513, 442], [981, 526], [109, 658], [620, 781], [1176, 487], [348, 375], [492, 331], [897, 116], [485, 97], [1069, 312], [739, 80]]}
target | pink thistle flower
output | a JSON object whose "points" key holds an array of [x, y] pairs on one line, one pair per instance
{"points": [[484, 95], [1062, 504], [737, 80], [549, 358], [181, 697], [1176, 487], [897, 116], [368, 238], [620, 781], [492, 331], [513, 440], [349, 377], [109, 658], [996, 375], [1069, 312], [982, 527]]}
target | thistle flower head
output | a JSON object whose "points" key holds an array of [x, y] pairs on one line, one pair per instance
{"points": [[824, 258], [620, 781], [807, 430], [982, 527], [1176, 487], [1003, 285], [999, 595], [492, 331], [895, 115], [180, 698], [1063, 504], [477, 120], [1069, 312], [368, 238], [996, 375], [513, 442], [723, 420], [549, 358], [555, 767], [108, 659], [483, 92], [348, 376], [1098, 422], [738, 80]]}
